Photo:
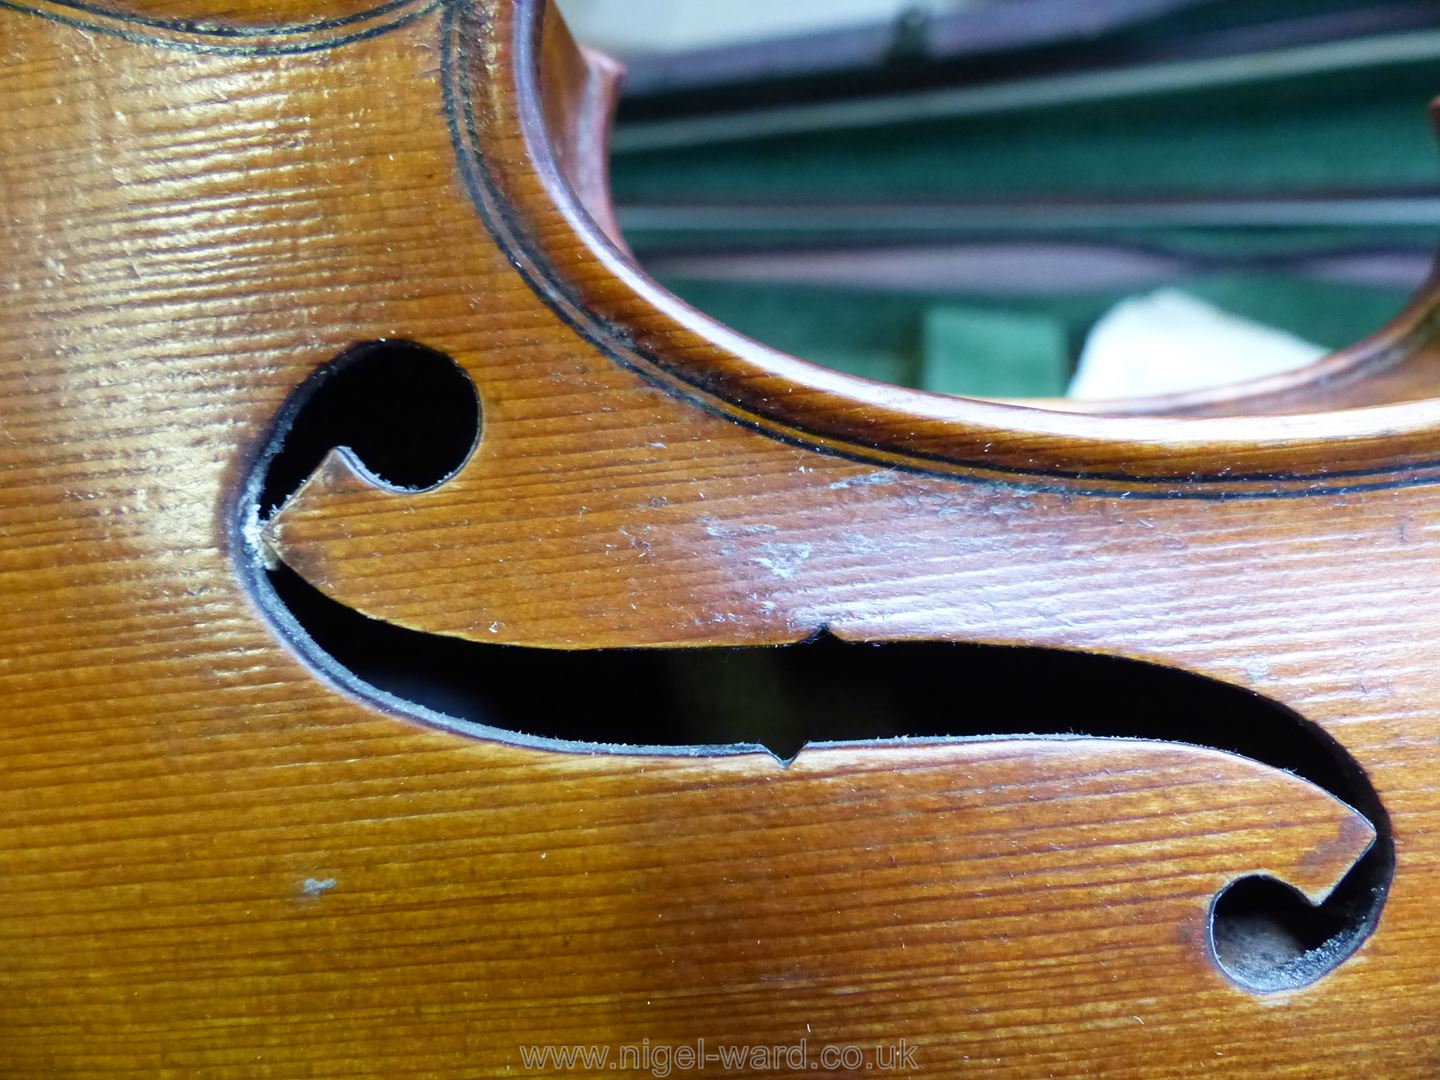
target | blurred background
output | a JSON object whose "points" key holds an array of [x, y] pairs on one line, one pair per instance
{"points": [[1031, 198]]}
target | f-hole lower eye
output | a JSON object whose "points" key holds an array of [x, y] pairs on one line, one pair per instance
{"points": [[407, 414]]}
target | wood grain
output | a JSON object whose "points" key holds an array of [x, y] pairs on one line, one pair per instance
{"points": [[215, 862]]}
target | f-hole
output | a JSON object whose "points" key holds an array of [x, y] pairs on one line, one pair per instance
{"points": [[408, 417]]}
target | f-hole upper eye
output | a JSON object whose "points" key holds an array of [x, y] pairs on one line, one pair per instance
{"points": [[406, 414]]}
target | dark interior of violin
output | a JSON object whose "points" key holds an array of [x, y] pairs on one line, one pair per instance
{"points": [[643, 536]]}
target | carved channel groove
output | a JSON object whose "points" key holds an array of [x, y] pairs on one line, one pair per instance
{"points": [[408, 418]]}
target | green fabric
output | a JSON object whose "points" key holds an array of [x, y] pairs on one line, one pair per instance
{"points": [[1350, 130], [1358, 131], [982, 353]]}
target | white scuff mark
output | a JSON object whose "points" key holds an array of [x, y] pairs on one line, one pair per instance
{"points": [[862, 545], [639, 543], [260, 537], [725, 530], [783, 560], [317, 886], [871, 479]]}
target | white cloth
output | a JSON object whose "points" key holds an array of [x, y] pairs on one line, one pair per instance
{"points": [[1168, 342]]}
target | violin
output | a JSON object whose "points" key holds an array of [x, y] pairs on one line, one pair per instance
{"points": [[433, 649]]}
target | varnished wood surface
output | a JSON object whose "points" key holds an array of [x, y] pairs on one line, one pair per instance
{"points": [[214, 862]]}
